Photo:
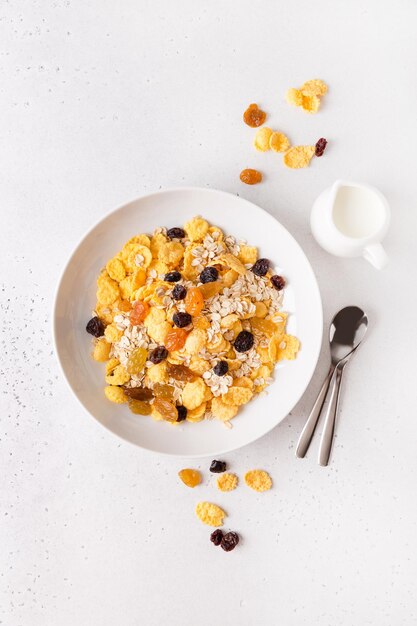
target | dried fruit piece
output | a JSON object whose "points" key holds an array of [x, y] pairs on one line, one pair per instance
{"points": [[278, 282], [95, 327], [221, 368], [227, 482], [194, 301], [180, 372], [182, 413], [254, 116], [172, 277], [138, 313], [261, 267], [181, 319], [229, 541], [244, 341], [299, 156], [179, 292], [320, 146], [190, 477], [217, 467], [176, 233], [278, 142], [209, 274], [259, 480], [262, 137], [165, 409], [211, 289], [250, 176], [139, 407], [138, 393], [158, 354], [136, 361], [216, 537], [166, 392], [210, 514], [175, 339]]}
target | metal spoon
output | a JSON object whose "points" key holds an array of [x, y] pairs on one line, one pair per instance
{"points": [[347, 330]]}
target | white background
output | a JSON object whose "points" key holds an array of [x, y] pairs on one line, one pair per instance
{"points": [[101, 102]]}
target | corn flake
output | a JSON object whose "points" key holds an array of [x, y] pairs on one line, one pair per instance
{"points": [[233, 262], [115, 394], [195, 341], [243, 381], [197, 414], [278, 142], [194, 394], [299, 156], [108, 290], [260, 309], [196, 228], [210, 514], [294, 96], [112, 333], [258, 480], [157, 241], [262, 136], [116, 269], [111, 364], [101, 350], [222, 411], [315, 87], [287, 348], [237, 396], [227, 482], [198, 365], [248, 254], [171, 253], [157, 373], [310, 104], [118, 376]]}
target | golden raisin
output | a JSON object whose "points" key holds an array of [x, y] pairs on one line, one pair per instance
{"points": [[180, 372], [166, 410], [194, 301], [139, 312], [253, 116], [175, 339], [139, 407], [250, 177], [136, 361], [166, 392], [264, 326], [211, 289], [190, 477]]}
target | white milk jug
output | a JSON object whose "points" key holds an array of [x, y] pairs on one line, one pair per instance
{"points": [[350, 220]]}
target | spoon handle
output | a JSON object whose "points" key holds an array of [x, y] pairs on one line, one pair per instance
{"points": [[330, 418], [311, 423]]}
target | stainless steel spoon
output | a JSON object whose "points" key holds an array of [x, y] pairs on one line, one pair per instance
{"points": [[347, 330]]}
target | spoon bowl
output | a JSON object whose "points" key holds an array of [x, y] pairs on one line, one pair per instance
{"points": [[347, 330]]}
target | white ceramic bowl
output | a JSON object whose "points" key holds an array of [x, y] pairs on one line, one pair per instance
{"points": [[75, 299]]}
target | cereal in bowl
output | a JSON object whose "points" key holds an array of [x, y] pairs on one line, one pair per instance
{"points": [[188, 322]]}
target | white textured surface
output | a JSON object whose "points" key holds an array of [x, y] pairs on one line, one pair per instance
{"points": [[103, 101]]}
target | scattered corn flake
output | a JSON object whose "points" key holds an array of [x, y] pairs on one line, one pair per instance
{"points": [[262, 137], [310, 104], [190, 477], [227, 482], [115, 394], [314, 87], [259, 480], [278, 142], [210, 514], [294, 97], [298, 156]]}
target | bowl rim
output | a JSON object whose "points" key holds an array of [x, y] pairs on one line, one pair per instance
{"points": [[74, 252]]}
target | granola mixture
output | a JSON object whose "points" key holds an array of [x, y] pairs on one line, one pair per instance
{"points": [[188, 322]]}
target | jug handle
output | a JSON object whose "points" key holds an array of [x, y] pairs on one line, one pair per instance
{"points": [[376, 255]]}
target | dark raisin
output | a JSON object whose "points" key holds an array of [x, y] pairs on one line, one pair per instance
{"points": [[209, 275], [320, 146], [176, 233], [221, 368], [217, 467], [138, 393], [179, 292], [182, 413], [216, 537], [244, 341], [278, 282], [261, 267], [95, 327], [181, 319], [229, 541], [158, 354], [172, 277]]}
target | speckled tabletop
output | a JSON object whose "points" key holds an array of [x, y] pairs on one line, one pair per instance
{"points": [[102, 102]]}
